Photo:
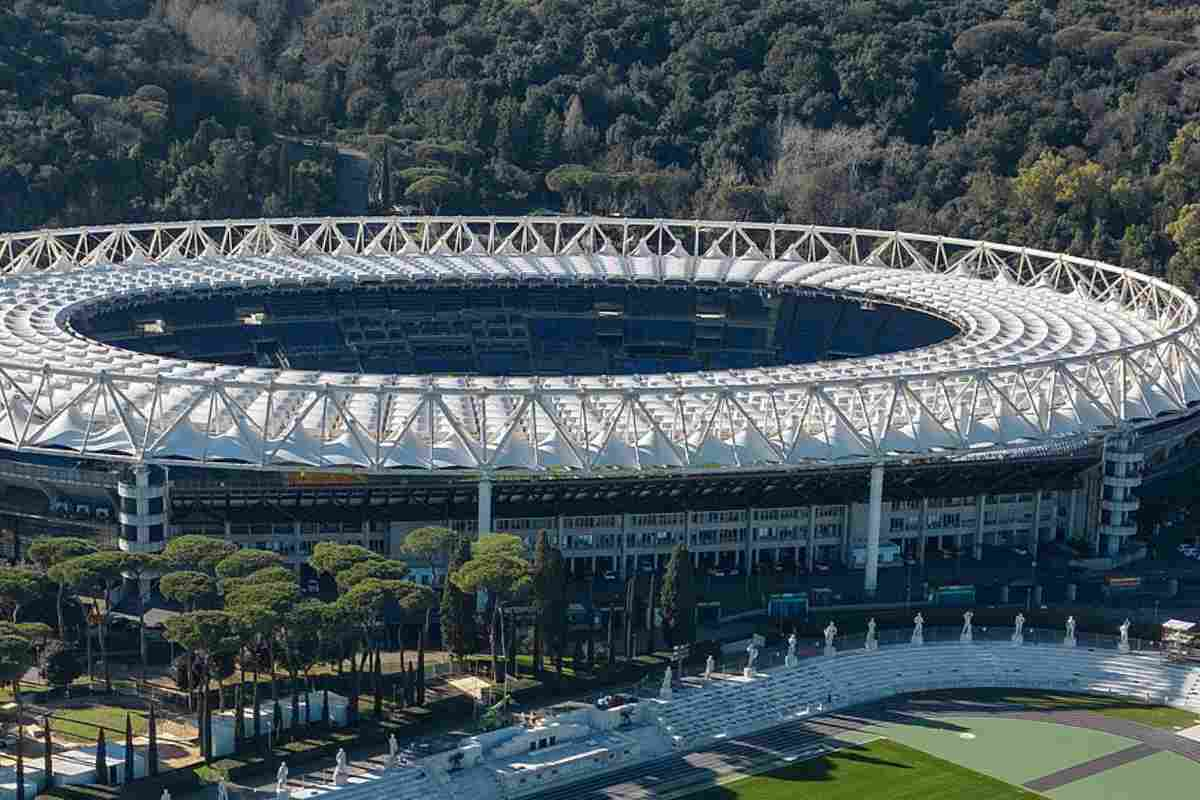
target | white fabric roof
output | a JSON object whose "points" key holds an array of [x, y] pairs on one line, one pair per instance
{"points": [[1052, 349]]}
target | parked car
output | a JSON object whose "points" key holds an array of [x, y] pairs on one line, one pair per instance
{"points": [[820, 566], [609, 575]]}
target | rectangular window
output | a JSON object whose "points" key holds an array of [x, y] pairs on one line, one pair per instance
{"points": [[154, 505], [129, 505], [156, 533]]}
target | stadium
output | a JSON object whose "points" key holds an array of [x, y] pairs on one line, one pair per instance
{"points": [[765, 393]]}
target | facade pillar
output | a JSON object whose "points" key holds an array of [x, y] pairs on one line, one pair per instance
{"points": [[812, 537], [874, 518], [485, 505], [979, 526], [1036, 538], [924, 530], [1072, 502]]}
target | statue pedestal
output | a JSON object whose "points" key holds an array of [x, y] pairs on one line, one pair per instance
{"points": [[918, 639], [748, 672], [283, 794], [1122, 647], [966, 638], [664, 693], [790, 660], [1018, 639], [871, 644], [340, 778], [830, 650], [1069, 641]]}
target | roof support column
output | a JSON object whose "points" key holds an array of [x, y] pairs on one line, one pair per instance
{"points": [[874, 518], [485, 504]]}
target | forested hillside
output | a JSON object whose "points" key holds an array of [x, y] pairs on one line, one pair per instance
{"points": [[1071, 124]]}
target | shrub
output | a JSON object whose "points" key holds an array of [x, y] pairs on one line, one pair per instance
{"points": [[60, 664]]}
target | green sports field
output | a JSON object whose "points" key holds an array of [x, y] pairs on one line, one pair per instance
{"points": [[976, 756], [1013, 750], [881, 768]]}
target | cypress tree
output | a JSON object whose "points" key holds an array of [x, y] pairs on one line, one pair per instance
{"points": [[152, 750], [21, 757], [239, 719], [295, 713], [101, 760], [421, 658], [611, 641], [679, 598], [630, 602], [257, 716], [541, 598], [47, 752], [378, 669], [650, 611], [277, 720], [128, 747]]}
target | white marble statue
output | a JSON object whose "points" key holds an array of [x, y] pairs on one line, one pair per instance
{"points": [[222, 790], [340, 777], [166, 795], [752, 652], [872, 643], [281, 779], [918, 634], [1069, 639], [664, 691], [968, 629], [393, 745], [790, 660], [1123, 645], [1018, 636], [710, 666], [831, 632]]}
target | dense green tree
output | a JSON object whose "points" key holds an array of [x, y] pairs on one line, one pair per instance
{"points": [[188, 588], [59, 665], [332, 558], [198, 553], [457, 606], [679, 598], [19, 587], [52, 550], [245, 562], [431, 543]]}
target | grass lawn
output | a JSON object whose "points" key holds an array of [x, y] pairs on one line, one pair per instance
{"points": [[1153, 716], [879, 769], [83, 721]]}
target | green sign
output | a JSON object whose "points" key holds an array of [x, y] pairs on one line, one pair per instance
{"points": [[954, 596], [792, 604]]}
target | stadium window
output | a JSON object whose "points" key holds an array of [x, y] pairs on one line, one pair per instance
{"points": [[156, 533], [129, 505], [154, 505]]}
